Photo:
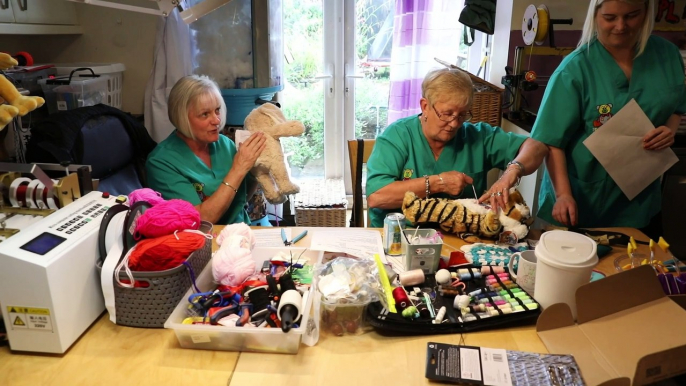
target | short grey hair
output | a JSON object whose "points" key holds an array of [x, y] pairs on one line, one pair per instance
{"points": [[590, 31], [446, 84], [187, 93]]}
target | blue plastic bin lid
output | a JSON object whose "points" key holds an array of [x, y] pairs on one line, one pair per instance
{"points": [[241, 101]]}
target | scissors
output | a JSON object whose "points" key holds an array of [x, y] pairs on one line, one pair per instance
{"points": [[295, 239]]}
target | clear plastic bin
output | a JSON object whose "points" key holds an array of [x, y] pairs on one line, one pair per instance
{"points": [[114, 71], [77, 90], [272, 340]]}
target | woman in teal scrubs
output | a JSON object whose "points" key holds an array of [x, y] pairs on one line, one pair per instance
{"points": [[440, 153], [198, 164], [617, 60]]}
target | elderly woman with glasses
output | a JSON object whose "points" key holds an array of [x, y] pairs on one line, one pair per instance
{"points": [[441, 153]]}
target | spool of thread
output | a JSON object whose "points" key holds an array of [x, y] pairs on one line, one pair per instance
{"points": [[499, 275], [401, 299], [491, 269], [461, 301], [410, 278], [440, 315]]}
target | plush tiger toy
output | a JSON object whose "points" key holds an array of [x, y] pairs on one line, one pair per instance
{"points": [[467, 216]]}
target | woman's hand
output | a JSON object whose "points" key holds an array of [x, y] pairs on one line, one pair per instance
{"points": [[454, 182], [248, 152], [499, 192], [659, 138], [565, 210]]}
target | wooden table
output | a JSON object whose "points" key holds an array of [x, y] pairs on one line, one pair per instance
{"points": [[108, 354]]}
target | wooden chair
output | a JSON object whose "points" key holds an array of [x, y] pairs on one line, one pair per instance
{"points": [[359, 151]]}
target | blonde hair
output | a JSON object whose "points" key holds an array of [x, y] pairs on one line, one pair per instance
{"points": [[189, 92], [590, 30], [445, 84]]}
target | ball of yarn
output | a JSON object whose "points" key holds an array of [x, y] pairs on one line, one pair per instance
{"points": [[238, 229], [233, 262], [166, 252], [166, 218], [145, 194]]}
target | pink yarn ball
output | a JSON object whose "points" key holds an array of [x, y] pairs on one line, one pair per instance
{"points": [[167, 217], [145, 194], [233, 262]]}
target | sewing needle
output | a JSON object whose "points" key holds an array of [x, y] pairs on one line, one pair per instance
{"points": [[474, 189]]}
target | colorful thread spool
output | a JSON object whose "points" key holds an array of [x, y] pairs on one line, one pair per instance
{"points": [[401, 299], [492, 269]]}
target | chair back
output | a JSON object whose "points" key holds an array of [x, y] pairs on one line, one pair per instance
{"points": [[359, 151]]}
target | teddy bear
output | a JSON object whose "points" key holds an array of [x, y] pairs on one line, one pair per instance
{"points": [[16, 104], [464, 216], [270, 168]]}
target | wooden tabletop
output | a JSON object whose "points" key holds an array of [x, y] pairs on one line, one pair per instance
{"points": [[108, 354]]}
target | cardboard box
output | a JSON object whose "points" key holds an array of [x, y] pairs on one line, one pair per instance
{"points": [[628, 332]]}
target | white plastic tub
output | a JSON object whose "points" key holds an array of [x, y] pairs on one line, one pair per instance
{"points": [[272, 340]]}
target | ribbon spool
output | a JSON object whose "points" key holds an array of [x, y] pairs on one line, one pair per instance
{"points": [[535, 24]]}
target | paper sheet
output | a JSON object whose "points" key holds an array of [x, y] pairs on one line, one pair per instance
{"points": [[270, 237], [359, 243], [241, 136], [618, 146]]}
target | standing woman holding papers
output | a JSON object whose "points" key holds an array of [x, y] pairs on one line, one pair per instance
{"points": [[617, 60]]}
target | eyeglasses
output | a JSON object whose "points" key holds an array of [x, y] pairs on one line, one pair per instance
{"points": [[464, 117]]}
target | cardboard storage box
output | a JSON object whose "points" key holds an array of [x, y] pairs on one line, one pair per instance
{"points": [[628, 332], [273, 340]]}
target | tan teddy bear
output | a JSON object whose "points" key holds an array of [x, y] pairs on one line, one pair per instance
{"points": [[270, 167], [17, 104]]}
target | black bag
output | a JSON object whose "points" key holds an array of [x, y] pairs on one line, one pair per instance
{"points": [[478, 15]]}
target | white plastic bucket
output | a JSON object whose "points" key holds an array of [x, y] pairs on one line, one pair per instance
{"points": [[565, 263]]}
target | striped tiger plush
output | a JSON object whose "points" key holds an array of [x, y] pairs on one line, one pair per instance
{"points": [[467, 216]]}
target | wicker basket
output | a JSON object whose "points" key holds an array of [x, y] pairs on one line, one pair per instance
{"points": [[151, 306], [487, 105], [321, 203]]}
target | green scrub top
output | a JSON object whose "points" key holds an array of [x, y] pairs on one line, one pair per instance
{"points": [[176, 172], [586, 90], [402, 152]]}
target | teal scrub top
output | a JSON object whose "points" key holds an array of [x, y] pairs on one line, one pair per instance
{"points": [[176, 172], [402, 152], [586, 90]]}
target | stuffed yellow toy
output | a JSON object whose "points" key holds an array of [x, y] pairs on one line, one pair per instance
{"points": [[16, 104]]}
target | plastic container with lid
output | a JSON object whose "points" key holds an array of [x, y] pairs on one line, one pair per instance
{"points": [[114, 71], [80, 88], [565, 263]]}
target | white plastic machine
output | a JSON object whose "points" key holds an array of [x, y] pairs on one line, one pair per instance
{"points": [[49, 286]]}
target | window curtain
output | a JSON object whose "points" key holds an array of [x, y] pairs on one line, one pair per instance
{"points": [[422, 30], [171, 62]]}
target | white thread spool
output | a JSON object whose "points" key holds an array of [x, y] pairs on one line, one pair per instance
{"points": [[40, 191], [410, 278], [52, 202]]}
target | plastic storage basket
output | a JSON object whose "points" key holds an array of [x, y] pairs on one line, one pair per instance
{"points": [[78, 89], [232, 338], [114, 71], [151, 306]]}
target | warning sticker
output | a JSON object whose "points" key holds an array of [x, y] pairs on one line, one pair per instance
{"points": [[29, 318]]}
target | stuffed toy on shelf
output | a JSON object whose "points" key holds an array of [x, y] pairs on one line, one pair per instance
{"points": [[15, 103], [464, 216], [270, 168]]}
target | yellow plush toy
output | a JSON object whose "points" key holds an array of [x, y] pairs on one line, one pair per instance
{"points": [[16, 104]]}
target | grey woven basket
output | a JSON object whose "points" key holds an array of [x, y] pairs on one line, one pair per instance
{"points": [[151, 306]]}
